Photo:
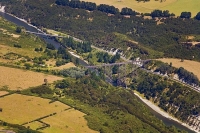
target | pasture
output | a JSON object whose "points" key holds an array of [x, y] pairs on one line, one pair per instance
{"points": [[67, 122], [191, 66], [174, 6], [30, 111], [17, 79]]}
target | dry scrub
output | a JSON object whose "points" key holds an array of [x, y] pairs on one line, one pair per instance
{"points": [[17, 79]]}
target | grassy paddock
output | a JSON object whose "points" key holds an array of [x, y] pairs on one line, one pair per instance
{"points": [[17, 79], [19, 109], [68, 121], [191, 66], [174, 6]]}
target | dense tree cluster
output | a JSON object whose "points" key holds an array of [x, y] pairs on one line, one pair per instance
{"points": [[197, 16], [80, 47], [108, 9], [160, 13], [41, 90], [187, 76], [185, 15], [127, 11], [104, 57], [77, 4], [92, 6]]}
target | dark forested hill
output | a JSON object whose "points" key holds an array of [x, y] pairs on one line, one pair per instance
{"points": [[156, 39]]}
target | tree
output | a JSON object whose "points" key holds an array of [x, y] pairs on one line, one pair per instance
{"points": [[115, 69], [197, 16], [18, 29], [127, 11], [45, 81], [50, 46], [185, 15]]}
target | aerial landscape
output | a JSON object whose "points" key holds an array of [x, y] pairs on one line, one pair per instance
{"points": [[100, 66]]}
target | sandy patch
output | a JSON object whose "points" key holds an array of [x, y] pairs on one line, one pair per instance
{"points": [[3, 93], [17, 79]]}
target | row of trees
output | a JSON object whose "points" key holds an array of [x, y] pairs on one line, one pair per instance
{"points": [[92, 6], [160, 13], [125, 11], [165, 13]]}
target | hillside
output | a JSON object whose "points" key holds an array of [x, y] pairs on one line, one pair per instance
{"points": [[24, 50], [135, 35]]}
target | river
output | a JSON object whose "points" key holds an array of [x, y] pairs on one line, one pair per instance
{"points": [[57, 45]]}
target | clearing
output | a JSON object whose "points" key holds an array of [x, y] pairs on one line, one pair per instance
{"points": [[174, 6], [189, 65], [30, 111], [17, 79]]}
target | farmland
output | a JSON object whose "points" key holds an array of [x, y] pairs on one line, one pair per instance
{"points": [[17, 79], [191, 66], [73, 124], [174, 6], [30, 111]]}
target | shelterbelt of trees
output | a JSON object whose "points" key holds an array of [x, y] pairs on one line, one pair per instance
{"points": [[153, 39]]}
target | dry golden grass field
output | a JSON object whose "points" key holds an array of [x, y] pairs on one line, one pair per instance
{"points": [[189, 65], [34, 125], [70, 121], [174, 6], [17, 79], [19, 109]]}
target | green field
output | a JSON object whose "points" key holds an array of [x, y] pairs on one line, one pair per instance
{"points": [[174, 6]]}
